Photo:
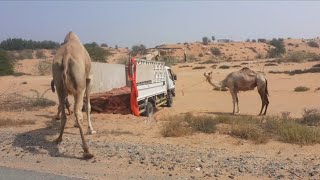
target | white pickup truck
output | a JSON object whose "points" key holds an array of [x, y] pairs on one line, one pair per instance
{"points": [[155, 82]]}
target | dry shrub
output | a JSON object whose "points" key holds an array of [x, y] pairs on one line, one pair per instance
{"points": [[10, 122], [316, 66], [175, 127], [236, 66], [257, 129], [301, 89], [249, 132], [44, 67], [261, 129], [311, 117], [182, 125], [214, 66], [206, 124], [271, 64], [298, 71], [199, 67], [40, 54], [18, 102], [210, 61], [184, 66], [224, 67], [293, 132]]}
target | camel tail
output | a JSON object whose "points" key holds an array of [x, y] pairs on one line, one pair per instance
{"points": [[52, 86], [266, 90], [65, 61]]}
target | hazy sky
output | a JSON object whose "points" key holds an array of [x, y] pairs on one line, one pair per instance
{"points": [[126, 23]]}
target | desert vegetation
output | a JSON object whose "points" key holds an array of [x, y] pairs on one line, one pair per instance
{"points": [[257, 129], [301, 89], [20, 44], [18, 102], [278, 50], [97, 53], [6, 64]]}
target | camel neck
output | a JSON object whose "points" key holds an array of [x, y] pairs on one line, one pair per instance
{"points": [[216, 84]]}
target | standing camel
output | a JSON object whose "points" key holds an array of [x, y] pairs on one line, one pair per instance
{"points": [[71, 71], [243, 80]]}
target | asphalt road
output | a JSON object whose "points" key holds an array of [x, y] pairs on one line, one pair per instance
{"points": [[17, 174]]}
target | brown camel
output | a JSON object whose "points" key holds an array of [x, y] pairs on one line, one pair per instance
{"points": [[71, 71], [66, 101], [243, 80]]}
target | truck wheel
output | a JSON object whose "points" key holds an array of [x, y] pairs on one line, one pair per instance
{"points": [[169, 100], [149, 109]]}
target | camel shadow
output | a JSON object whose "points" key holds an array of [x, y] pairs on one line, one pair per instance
{"points": [[223, 113], [35, 141]]}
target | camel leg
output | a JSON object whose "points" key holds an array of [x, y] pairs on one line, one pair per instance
{"points": [[233, 100], [237, 101], [88, 106], [68, 106], [58, 113], [78, 113], [261, 93], [266, 103], [63, 115]]}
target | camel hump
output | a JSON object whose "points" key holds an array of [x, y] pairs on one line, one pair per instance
{"points": [[71, 36], [247, 71]]}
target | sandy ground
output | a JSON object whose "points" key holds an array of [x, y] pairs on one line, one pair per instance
{"points": [[127, 147]]}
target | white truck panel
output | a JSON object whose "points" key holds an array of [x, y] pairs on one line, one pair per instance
{"points": [[107, 76], [149, 90], [150, 71]]}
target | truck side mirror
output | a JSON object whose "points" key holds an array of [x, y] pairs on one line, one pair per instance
{"points": [[175, 77]]}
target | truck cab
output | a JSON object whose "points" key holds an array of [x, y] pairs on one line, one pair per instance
{"points": [[155, 84]]}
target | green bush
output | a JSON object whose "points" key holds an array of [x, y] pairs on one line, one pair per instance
{"points": [[205, 40], [215, 51], [96, 52], [278, 49], [6, 64], [138, 49], [313, 44], [20, 44]]}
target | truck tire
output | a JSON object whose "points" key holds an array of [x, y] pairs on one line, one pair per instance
{"points": [[169, 99], [149, 109]]}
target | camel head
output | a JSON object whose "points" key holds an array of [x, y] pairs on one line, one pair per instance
{"points": [[208, 76], [71, 36]]}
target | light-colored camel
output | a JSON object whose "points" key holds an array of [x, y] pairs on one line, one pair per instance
{"points": [[243, 80], [71, 71]]}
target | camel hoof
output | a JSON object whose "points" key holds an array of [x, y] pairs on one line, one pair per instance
{"points": [[76, 125], [87, 155], [57, 118], [58, 140], [92, 131]]}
